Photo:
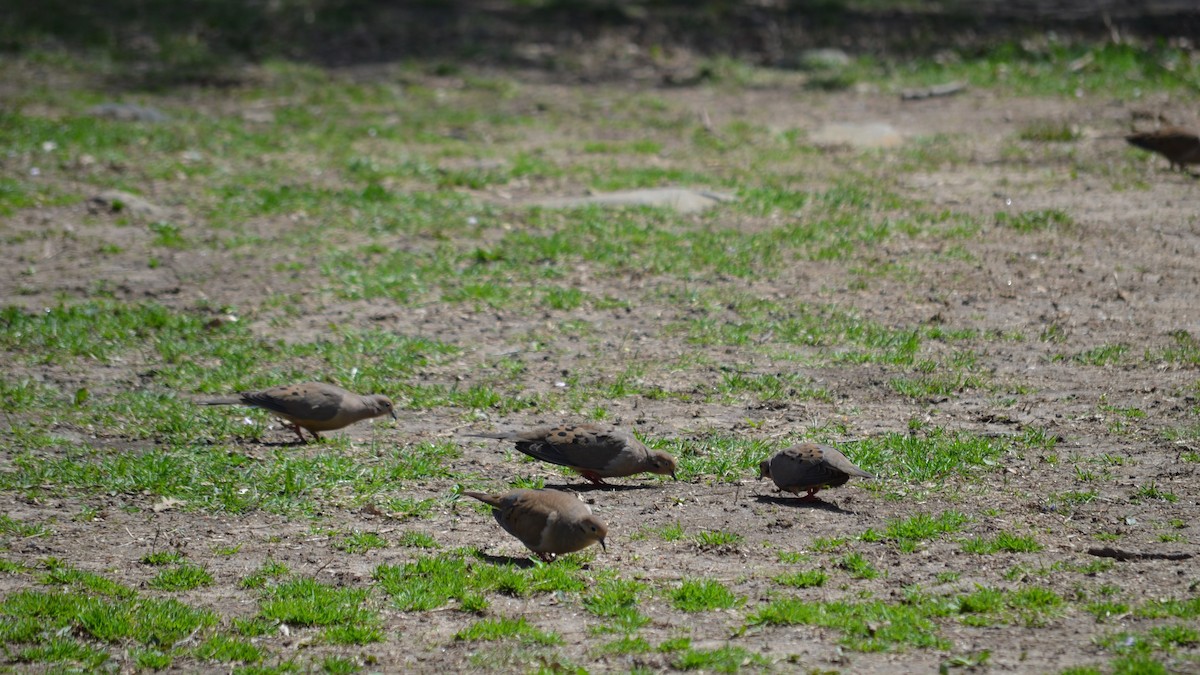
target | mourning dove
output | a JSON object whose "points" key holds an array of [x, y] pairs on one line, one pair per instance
{"points": [[809, 466], [595, 451], [1178, 145], [548, 522], [315, 406]]}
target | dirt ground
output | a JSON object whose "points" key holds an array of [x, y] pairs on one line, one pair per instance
{"points": [[1126, 273]]}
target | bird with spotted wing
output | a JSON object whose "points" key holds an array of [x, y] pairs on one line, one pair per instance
{"points": [[315, 406], [548, 522], [596, 451], [809, 467]]}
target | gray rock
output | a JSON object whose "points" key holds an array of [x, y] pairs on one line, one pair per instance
{"points": [[683, 200], [867, 135]]}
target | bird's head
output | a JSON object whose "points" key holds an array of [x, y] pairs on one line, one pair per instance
{"points": [[662, 463], [381, 405], [764, 469]]}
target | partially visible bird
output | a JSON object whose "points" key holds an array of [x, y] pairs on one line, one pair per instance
{"points": [[314, 406], [1178, 145], [595, 451], [548, 522], [809, 466]]}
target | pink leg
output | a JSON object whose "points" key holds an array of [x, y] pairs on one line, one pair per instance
{"points": [[296, 428], [592, 476]]}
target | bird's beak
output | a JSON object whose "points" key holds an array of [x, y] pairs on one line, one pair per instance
{"points": [[394, 417], [673, 476], [603, 547]]}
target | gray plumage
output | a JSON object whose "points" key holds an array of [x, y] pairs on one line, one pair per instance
{"points": [[314, 406], [548, 522], [809, 467], [595, 451]]}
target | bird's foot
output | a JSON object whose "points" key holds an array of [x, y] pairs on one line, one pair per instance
{"points": [[592, 476], [300, 434]]}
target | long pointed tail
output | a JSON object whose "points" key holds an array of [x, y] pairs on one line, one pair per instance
{"points": [[492, 500]]}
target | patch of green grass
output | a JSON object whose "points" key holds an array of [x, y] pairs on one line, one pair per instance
{"points": [[339, 665], [1184, 351], [61, 574], [1072, 499], [722, 457], [282, 482], [907, 534], [1152, 491], [772, 387], [270, 570], [413, 539], [936, 384], [36, 617], [700, 595], [827, 544], [1105, 609], [183, 577], [353, 634], [929, 456], [616, 600], [225, 649], [727, 659], [792, 557], [1048, 131], [670, 533], [306, 602], [1103, 355], [432, 581], [360, 542], [857, 566], [869, 626], [1179, 609], [159, 558], [716, 539], [626, 644], [805, 579], [16, 528], [404, 508], [506, 628], [1031, 606], [1003, 542]]}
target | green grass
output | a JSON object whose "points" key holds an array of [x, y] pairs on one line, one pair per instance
{"points": [[716, 539], [1103, 355], [858, 566], [183, 577], [805, 579], [615, 601], [1003, 542], [701, 595], [360, 542], [870, 626], [49, 625], [1035, 221], [909, 533], [432, 581], [729, 659], [505, 628]]}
